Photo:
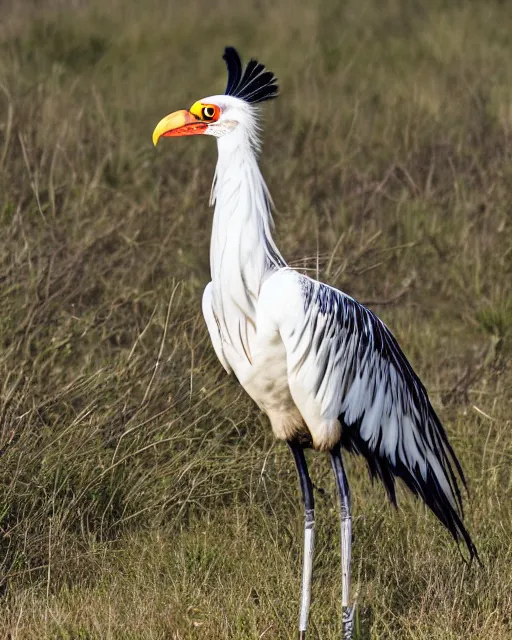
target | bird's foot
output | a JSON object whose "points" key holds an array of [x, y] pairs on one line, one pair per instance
{"points": [[347, 618]]}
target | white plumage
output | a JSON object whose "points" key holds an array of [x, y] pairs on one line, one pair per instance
{"points": [[326, 371]]}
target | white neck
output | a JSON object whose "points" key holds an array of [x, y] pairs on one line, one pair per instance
{"points": [[242, 251]]}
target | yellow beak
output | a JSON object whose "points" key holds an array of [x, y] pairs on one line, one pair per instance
{"points": [[179, 123]]}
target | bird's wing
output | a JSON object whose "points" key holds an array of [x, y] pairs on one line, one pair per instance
{"points": [[213, 326], [345, 358]]}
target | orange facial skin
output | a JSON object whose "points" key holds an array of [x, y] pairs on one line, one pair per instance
{"points": [[186, 123]]}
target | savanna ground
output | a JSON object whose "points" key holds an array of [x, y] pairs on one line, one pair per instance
{"points": [[141, 492]]}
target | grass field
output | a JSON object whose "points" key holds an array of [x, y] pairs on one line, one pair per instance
{"points": [[141, 493]]}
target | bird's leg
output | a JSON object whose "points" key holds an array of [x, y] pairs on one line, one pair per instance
{"points": [[346, 541], [309, 534]]}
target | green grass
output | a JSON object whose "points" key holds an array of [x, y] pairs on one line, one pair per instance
{"points": [[141, 492]]}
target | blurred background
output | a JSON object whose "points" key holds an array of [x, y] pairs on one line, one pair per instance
{"points": [[141, 492]]}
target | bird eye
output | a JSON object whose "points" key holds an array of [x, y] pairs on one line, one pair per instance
{"points": [[208, 113]]}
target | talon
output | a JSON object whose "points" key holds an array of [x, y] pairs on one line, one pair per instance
{"points": [[348, 622]]}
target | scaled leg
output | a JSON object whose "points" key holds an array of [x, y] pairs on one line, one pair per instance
{"points": [[346, 541], [309, 534]]}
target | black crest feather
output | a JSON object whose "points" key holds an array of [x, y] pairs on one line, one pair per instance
{"points": [[254, 84]]}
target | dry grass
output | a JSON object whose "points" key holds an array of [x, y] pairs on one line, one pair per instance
{"points": [[141, 493]]}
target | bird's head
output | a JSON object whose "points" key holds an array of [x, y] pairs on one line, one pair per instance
{"points": [[221, 114]]}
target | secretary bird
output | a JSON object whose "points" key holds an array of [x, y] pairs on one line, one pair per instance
{"points": [[327, 372]]}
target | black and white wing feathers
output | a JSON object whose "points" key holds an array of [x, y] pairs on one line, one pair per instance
{"points": [[348, 359]]}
